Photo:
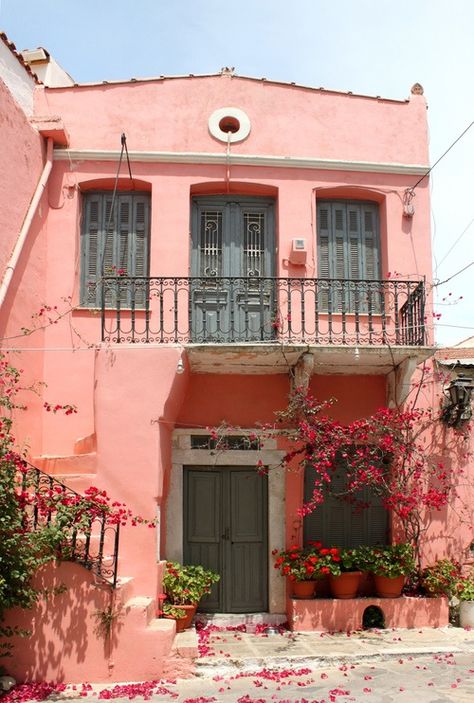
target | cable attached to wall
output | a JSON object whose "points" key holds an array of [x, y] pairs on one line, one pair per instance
{"points": [[124, 149]]}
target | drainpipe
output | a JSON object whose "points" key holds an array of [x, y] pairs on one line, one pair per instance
{"points": [[20, 242]]}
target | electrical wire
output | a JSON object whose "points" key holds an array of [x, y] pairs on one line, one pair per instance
{"points": [[457, 240], [112, 207], [123, 140], [440, 283], [412, 188]]}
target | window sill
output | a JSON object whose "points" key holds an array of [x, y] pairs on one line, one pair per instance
{"points": [[96, 311]]}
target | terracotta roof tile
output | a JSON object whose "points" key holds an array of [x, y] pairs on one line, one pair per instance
{"points": [[11, 46]]}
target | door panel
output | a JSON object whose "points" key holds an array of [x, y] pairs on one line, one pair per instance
{"points": [[232, 255], [225, 529], [202, 492]]}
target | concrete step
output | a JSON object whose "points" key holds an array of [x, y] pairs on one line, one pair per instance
{"points": [[77, 482], [250, 620], [86, 445], [67, 465]]}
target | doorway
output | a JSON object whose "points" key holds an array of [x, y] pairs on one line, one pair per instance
{"points": [[226, 530]]}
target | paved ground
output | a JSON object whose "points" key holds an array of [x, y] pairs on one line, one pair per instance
{"points": [[403, 666]]}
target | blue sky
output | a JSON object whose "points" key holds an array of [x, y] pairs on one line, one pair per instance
{"points": [[377, 47]]}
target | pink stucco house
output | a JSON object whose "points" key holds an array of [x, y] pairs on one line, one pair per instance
{"points": [[259, 228]]}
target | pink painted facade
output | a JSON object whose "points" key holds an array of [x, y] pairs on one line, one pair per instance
{"points": [[136, 412]]}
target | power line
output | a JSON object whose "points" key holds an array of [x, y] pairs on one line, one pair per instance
{"points": [[440, 283], [457, 240], [441, 157]]}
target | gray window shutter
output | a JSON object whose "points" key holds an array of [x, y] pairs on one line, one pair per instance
{"points": [[139, 249], [90, 248], [114, 241], [348, 249], [337, 523], [348, 240]]}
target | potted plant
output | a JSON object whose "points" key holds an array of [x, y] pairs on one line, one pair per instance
{"points": [[440, 578], [389, 564], [465, 593], [172, 612], [185, 585], [342, 565], [301, 565]]}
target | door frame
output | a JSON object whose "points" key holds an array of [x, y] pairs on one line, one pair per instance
{"points": [[183, 455]]}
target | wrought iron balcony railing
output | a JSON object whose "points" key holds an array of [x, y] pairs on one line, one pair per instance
{"points": [[94, 545], [218, 310]]}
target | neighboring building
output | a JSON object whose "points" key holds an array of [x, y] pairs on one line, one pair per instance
{"points": [[268, 232]]}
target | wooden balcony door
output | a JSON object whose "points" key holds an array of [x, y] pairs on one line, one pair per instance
{"points": [[225, 529], [232, 253]]}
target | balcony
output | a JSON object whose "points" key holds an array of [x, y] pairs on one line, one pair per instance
{"points": [[230, 322]]}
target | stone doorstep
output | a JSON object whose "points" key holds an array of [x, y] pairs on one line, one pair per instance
{"points": [[235, 619]]}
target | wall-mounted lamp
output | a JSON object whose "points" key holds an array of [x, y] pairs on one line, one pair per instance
{"points": [[457, 407], [180, 367]]}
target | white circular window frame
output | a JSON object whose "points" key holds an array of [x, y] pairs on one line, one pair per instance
{"points": [[234, 112]]}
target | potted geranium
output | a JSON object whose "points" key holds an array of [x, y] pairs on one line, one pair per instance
{"points": [[301, 565], [185, 585], [342, 565], [440, 578], [389, 564], [465, 592]]}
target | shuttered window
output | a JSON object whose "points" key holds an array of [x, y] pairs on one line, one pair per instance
{"points": [[349, 249], [338, 523], [113, 243]]}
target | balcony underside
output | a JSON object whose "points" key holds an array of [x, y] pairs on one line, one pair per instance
{"points": [[271, 358]]}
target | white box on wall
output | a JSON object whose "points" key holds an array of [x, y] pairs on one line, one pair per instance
{"points": [[299, 252]]}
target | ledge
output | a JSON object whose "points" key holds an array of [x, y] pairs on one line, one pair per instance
{"points": [[332, 614]]}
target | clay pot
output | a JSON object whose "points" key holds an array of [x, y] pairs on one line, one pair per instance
{"points": [[345, 585], [184, 622], [303, 589], [188, 618], [386, 587]]}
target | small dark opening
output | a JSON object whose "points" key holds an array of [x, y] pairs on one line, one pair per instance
{"points": [[373, 617], [229, 124]]}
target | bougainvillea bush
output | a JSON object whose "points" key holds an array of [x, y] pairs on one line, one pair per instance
{"points": [[387, 452]]}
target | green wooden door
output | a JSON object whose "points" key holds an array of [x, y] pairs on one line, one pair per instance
{"points": [[225, 529]]}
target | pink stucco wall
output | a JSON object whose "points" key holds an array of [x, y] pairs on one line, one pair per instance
{"points": [[21, 164], [172, 115]]}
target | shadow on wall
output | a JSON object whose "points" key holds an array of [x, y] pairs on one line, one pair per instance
{"points": [[67, 634]]}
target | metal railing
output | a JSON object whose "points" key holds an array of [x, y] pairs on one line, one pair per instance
{"points": [[94, 543], [229, 310]]}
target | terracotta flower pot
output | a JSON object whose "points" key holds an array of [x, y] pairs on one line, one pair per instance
{"points": [[190, 613], [345, 585], [303, 589], [386, 587], [186, 620]]}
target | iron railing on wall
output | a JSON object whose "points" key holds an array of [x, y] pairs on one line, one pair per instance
{"points": [[228, 310], [94, 544]]}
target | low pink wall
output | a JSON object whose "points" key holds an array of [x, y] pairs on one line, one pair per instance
{"points": [[66, 644], [331, 614]]}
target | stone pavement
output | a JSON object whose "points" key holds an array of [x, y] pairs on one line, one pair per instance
{"points": [[223, 651], [386, 666]]}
